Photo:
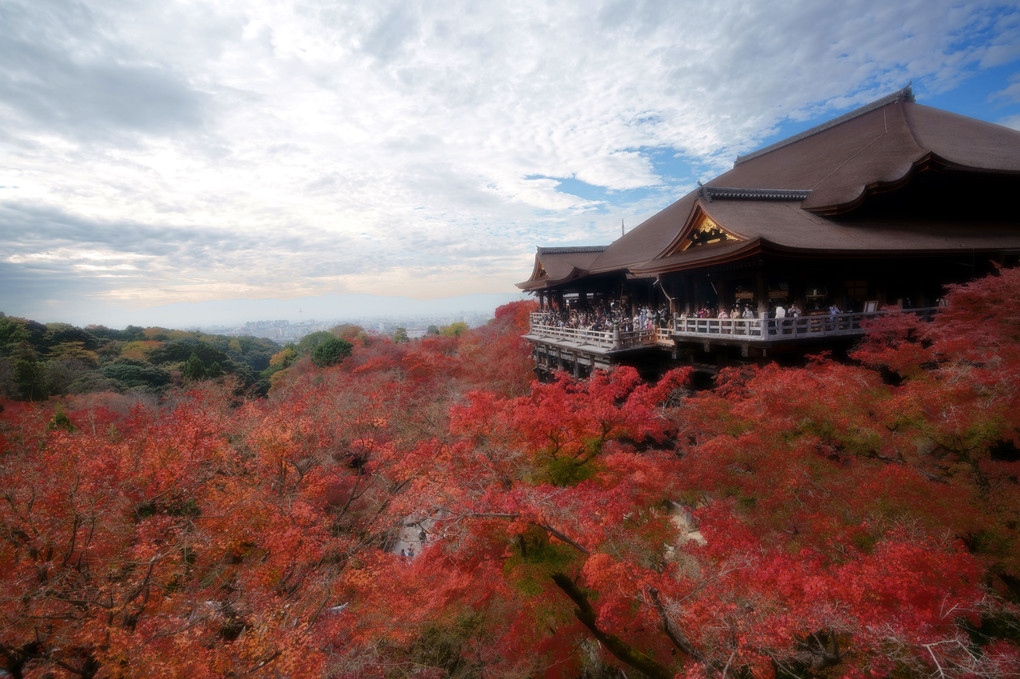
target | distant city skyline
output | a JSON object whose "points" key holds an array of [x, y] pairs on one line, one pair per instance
{"points": [[158, 155], [366, 310], [415, 327]]}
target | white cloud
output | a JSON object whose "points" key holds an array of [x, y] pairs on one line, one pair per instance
{"points": [[362, 144], [1012, 122], [1010, 93]]}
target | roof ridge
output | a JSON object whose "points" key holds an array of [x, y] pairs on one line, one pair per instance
{"points": [[571, 250], [734, 193], [904, 95]]}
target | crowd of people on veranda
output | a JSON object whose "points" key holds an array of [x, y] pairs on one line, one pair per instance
{"points": [[607, 316], [748, 312]]}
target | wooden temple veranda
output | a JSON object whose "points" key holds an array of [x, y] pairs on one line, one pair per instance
{"points": [[794, 249]]}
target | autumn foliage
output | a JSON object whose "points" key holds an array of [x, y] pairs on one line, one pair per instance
{"points": [[839, 519]]}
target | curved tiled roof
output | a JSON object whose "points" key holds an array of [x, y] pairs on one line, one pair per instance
{"points": [[875, 146], [556, 265], [783, 196], [785, 227], [903, 95], [648, 239]]}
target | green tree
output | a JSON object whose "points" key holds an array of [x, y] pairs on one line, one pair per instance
{"points": [[331, 352], [454, 329], [133, 332], [194, 368], [74, 351], [400, 336], [65, 334], [182, 349], [312, 340], [132, 374], [60, 419], [59, 374], [216, 370], [15, 330], [28, 372], [11, 331]]}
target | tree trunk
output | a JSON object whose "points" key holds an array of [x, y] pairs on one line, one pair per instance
{"points": [[623, 651]]}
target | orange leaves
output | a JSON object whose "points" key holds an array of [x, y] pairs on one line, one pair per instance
{"points": [[220, 537], [965, 386], [919, 587], [895, 342], [598, 570], [844, 500], [566, 420], [833, 522], [563, 481], [136, 547], [908, 587]]}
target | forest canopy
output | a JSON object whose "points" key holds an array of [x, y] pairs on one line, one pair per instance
{"points": [[425, 508], [39, 361]]}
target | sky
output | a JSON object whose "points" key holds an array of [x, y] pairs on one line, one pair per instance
{"points": [[173, 152]]}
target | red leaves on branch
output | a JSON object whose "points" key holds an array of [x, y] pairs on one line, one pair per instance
{"points": [[829, 520]]}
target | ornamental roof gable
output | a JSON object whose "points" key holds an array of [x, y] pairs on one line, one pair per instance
{"points": [[700, 231]]}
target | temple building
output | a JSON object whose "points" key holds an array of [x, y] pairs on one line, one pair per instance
{"points": [[788, 252]]}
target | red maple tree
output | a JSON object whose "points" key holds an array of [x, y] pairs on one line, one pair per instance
{"points": [[829, 520]]}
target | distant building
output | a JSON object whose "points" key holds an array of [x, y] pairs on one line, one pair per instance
{"points": [[882, 206]]}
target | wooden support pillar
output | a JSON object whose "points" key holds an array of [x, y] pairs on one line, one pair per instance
{"points": [[796, 294], [761, 291], [722, 289], [835, 285]]}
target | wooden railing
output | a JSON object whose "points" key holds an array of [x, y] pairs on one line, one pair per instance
{"points": [[748, 329], [578, 335], [603, 339], [772, 329]]}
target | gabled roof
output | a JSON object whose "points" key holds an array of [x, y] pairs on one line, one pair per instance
{"points": [[558, 265], [876, 146], [785, 227], [902, 95], [786, 195], [648, 239]]}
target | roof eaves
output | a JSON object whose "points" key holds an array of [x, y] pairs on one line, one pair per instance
{"points": [[709, 258], [547, 281]]}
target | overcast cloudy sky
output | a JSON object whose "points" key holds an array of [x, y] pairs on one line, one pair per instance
{"points": [[176, 151]]}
